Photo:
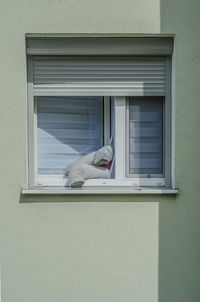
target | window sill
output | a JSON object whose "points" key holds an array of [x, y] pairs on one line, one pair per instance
{"points": [[98, 190]]}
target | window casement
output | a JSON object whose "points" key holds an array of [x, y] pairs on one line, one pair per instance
{"points": [[79, 96]]}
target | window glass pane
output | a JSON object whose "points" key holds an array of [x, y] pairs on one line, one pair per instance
{"points": [[67, 128], [146, 135]]}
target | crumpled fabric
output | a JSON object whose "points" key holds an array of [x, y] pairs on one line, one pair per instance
{"points": [[82, 169], [86, 159], [103, 156], [79, 173]]}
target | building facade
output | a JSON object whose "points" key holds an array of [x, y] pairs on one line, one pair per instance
{"points": [[100, 247]]}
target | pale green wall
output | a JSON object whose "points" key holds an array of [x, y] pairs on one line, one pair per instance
{"points": [[97, 248], [179, 230], [93, 250]]}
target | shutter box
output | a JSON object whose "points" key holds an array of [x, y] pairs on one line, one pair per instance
{"points": [[98, 65]]}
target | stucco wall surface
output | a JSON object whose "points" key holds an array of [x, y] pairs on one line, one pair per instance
{"points": [[99, 248], [79, 249], [179, 230]]}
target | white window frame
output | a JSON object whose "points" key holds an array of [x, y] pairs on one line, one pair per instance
{"points": [[156, 176], [57, 179], [120, 144], [120, 108]]}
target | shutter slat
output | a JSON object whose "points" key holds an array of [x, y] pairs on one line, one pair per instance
{"points": [[99, 75]]}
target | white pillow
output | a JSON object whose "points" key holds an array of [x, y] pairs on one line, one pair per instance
{"points": [[82, 169], [86, 159], [103, 156]]}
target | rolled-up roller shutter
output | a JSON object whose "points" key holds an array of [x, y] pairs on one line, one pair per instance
{"points": [[99, 75]]}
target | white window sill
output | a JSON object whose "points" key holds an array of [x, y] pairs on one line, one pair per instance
{"points": [[98, 190]]}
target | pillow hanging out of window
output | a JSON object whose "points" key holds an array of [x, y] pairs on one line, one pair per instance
{"points": [[91, 166]]}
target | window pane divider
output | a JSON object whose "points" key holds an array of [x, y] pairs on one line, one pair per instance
{"points": [[120, 112], [106, 120]]}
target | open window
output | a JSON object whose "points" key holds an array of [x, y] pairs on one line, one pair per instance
{"points": [[67, 128], [78, 102]]}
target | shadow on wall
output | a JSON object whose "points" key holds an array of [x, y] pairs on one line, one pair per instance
{"points": [[95, 197]]}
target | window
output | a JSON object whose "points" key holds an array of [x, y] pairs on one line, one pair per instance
{"points": [[67, 128], [145, 137], [78, 100]]}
